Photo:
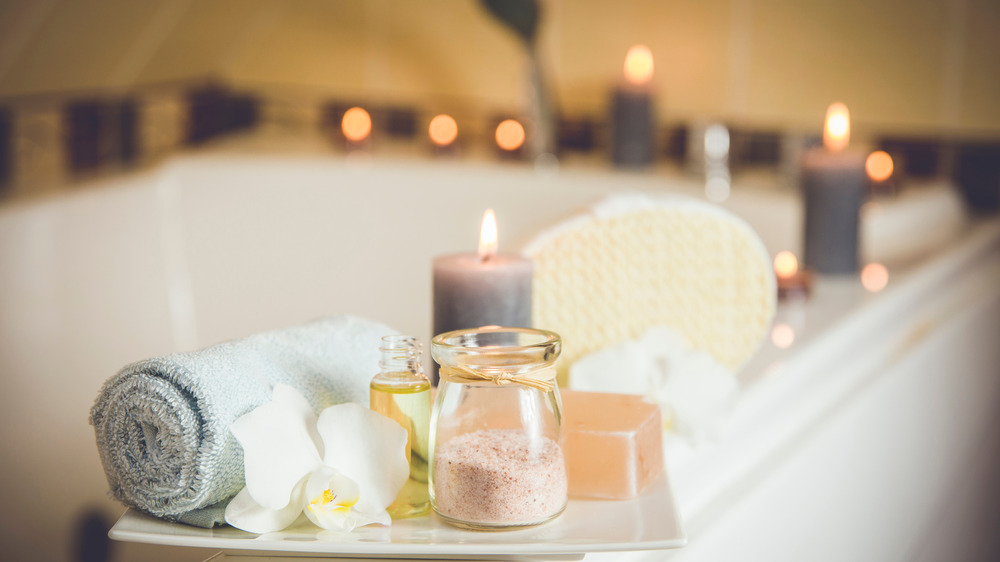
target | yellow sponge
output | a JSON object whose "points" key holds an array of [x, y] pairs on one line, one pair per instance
{"points": [[637, 261]]}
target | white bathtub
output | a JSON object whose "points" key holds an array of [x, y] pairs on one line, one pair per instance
{"points": [[851, 444]]}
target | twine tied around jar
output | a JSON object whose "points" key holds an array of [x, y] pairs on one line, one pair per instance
{"points": [[540, 378]]}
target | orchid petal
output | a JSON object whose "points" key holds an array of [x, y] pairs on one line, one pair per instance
{"points": [[245, 513], [347, 520], [365, 518], [360, 519], [368, 448], [279, 448]]}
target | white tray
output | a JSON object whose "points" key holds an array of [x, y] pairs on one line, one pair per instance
{"points": [[649, 522]]}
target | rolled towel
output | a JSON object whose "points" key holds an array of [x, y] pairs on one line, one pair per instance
{"points": [[162, 424]]}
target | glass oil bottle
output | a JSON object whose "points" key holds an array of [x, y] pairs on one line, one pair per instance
{"points": [[402, 392]]}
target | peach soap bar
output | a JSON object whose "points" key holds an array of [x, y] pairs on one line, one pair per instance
{"points": [[614, 444]]}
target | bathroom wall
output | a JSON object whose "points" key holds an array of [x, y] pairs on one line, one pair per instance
{"points": [[925, 66]]}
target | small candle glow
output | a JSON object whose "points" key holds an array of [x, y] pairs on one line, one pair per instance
{"points": [[510, 135], [488, 236], [879, 166], [443, 130], [782, 335], [785, 264], [874, 277], [356, 124], [837, 132], [639, 65]]}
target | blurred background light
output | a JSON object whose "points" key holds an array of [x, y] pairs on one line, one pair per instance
{"points": [[717, 188], [782, 335], [879, 165], [716, 142], [356, 124], [874, 277], [510, 135], [443, 130]]}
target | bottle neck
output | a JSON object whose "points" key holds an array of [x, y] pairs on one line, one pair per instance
{"points": [[400, 354]]}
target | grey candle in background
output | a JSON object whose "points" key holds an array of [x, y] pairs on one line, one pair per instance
{"points": [[632, 114], [484, 289], [834, 186], [833, 189], [470, 292]]}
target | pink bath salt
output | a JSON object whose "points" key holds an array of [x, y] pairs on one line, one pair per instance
{"points": [[499, 477]]}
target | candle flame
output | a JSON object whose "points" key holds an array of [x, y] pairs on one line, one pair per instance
{"points": [[443, 130], [785, 264], [488, 236], [879, 165], [837, 132], [639, 65]]}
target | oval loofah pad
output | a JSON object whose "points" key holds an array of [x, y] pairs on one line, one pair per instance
{"points": [[635, 261]]}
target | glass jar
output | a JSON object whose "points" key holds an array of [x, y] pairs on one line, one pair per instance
{"points": [[496, 429]]}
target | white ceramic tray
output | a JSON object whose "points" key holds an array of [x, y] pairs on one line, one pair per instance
{"points": [[649, 522]]}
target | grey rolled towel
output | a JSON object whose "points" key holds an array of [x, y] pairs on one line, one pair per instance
{"points": [[162, 424]]}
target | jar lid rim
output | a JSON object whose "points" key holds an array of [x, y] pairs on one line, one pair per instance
{"points": [[551, 338]]}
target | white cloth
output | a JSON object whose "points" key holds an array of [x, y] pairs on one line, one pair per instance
{"points": [[695, 392]]}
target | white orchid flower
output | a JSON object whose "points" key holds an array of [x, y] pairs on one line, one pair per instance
{"points": [[342, 469]]}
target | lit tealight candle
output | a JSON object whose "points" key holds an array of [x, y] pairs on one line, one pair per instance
{"points": [[482, 289], [874, 277], [782, 335], [510, 136], [785, 265], [356, 125], [879, 167], [792, 282], [833, 186], [632, 118], [443, 130]]}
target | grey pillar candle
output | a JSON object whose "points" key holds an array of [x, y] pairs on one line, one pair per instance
{"points": [[834, 186], [470, 292], [632, 114], [632, 128], [485, 289]]}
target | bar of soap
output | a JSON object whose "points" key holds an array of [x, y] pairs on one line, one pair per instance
{"points": [[614, 444]]}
